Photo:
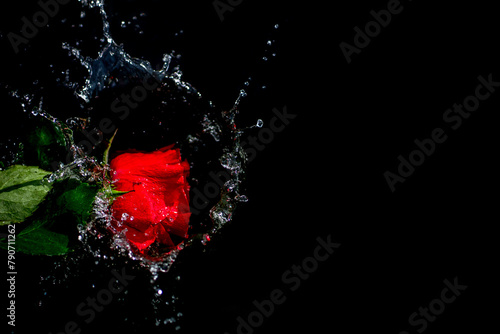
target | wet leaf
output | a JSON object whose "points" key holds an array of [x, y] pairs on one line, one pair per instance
{"points": [[42, 242], [68, 204], [45, 145], [21, 191], [78, 202]]}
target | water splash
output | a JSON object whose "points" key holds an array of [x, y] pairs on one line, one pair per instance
{"points": [[101, 72], [96, 245], [101, 75]]}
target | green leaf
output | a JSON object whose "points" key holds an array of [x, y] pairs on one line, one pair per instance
{"points": [[78, 202], [21, 191], [68, 204], [116, 193], [42, 242], [44, 145]]}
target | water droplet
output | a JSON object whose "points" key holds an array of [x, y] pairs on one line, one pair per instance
{"points": [[228, 161], [260, 123], [241, 198]]}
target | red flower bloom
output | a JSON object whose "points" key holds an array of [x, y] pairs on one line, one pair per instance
{"points": [[157, 205]]}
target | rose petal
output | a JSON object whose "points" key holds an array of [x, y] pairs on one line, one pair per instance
{"points": [[158, 202], [140, 239]]}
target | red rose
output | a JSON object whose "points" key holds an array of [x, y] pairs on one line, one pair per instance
{"points": [[157, 205]]}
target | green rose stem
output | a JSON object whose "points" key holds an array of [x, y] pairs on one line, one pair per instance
{"points": [[106, 152], [112, 192]]}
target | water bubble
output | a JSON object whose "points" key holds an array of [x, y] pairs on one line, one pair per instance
{"points": [[260, 123], [191, 139], [211, 127], [229, 161], [241, 198]]}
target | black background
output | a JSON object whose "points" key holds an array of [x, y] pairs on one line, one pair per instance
{"points": [[323, 175]]}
